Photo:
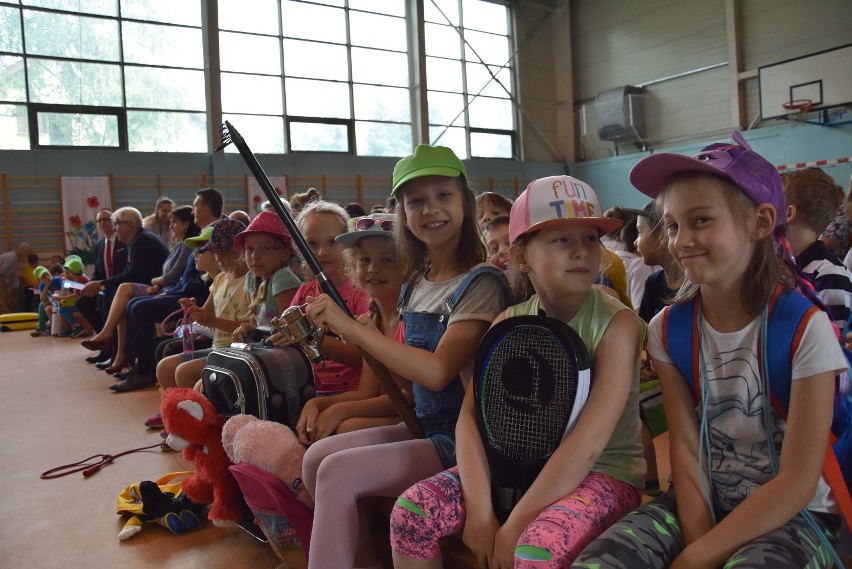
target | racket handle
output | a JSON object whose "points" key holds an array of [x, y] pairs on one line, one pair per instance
{"points": [[400, 403]]}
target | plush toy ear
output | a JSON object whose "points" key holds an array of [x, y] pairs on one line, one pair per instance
{"points": [[192, 408], [230, 435]]}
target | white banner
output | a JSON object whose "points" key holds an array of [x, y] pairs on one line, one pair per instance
{"points": [[255, 196], [82, 199]]}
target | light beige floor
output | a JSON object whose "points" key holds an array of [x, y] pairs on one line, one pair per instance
{"points": [[57, 409]]}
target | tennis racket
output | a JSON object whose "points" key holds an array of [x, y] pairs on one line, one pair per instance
{"points": [[531, 380]]}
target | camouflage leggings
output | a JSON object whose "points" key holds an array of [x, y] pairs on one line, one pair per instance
{"points": [[650, 537]]}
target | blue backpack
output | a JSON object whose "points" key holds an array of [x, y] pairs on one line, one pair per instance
{"points": [[789, 314]]}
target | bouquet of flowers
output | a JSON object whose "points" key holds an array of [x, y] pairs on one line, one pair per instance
{"points": [[83, 236]]}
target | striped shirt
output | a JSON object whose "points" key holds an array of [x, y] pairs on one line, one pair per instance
{"points": [[830, 278]]}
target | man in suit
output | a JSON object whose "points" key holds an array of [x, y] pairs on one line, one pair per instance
{"points": [[207, 207], [110, 260]]}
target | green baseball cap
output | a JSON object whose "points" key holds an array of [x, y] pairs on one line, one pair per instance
{"points": [[74, 264], [427, 161], [200, 239], [40, 271]]}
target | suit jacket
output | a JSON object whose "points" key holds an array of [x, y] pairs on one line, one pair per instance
{"points": [[119, 259], [146, 254], [190, 284]]}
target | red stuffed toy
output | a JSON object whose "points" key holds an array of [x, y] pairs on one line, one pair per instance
{"points": [[195, 428]]}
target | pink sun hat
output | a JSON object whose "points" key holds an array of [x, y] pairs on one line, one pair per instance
{"points": [[266, 222], [557, 200]]}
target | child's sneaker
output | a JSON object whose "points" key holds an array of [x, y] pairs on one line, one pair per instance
{"points": [[39, 332], [155, 422]]}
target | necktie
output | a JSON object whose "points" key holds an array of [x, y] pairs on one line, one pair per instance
{"points": [[108, 258]]}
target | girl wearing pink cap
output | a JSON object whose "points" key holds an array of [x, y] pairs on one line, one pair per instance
{"points": [[267, 248], [596, 474], [746, 445]]}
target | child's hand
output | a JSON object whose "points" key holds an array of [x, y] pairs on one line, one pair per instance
{"points": [[241, 333], [204, 316], [478, 536], [280, 340], [325, 313], [305, 425], [505, 542], [186, 302], [326, 423]]}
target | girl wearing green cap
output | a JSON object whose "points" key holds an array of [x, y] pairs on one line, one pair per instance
{"points": [[448, 302]]}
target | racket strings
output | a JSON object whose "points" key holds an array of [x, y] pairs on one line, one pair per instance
{"points": [[528, 395]]}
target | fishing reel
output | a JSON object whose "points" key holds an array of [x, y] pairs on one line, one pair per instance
{"points": [[296, 326]]}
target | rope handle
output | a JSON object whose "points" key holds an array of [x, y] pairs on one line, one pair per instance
{"points": [[185, 323], [86, 466]]}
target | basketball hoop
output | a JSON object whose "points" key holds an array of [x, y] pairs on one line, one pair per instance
{"points": [[797, 109]]}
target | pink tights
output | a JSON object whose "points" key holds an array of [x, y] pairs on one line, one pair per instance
{"points": [[382, 461]]}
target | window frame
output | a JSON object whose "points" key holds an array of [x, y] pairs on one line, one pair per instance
{"points": [[34, 109]]}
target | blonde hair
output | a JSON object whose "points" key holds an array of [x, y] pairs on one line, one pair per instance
{"points": [[321, 206], [350, 257], [767, 267], [412, 252]]}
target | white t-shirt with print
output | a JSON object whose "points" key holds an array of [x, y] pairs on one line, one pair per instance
{"points": [[735, 407]]}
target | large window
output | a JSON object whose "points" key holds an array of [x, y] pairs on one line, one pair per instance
{"points": [[291, 75], [333, 77], [470, 77], [102, 74]]}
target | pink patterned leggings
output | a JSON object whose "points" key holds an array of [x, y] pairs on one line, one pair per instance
{"points": [[434, 508]]}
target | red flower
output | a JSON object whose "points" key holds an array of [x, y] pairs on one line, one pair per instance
{"points": [[75, 221], [256, 199], [278, 190], [92, 202]]}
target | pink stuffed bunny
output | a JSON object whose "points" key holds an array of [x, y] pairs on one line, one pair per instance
{"points": [[270, 446]]}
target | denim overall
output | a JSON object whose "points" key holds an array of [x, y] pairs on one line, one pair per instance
{"points": [[438, 411]]}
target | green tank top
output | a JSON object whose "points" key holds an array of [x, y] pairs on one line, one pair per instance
{"points": [[623, 457]]}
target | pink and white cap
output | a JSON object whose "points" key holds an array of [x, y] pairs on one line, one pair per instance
{"points": [[557, 200]]}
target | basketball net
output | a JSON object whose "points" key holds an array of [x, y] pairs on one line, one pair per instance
{"points": [[797, 110]]}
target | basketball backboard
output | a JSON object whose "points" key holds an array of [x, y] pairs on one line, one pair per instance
{"points": [[825, 78]]}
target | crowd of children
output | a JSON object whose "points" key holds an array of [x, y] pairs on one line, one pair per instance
{"points": [[681, 291]]}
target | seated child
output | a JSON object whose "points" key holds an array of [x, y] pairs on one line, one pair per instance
{"points": [[47, 285], [489, 205], [76, 325], [812, 198], [496, 235]]}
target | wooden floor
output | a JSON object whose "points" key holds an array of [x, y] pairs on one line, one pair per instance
{"points": [[57, 409]]}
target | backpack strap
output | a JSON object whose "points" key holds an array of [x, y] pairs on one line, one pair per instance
{"points": [[682, 345], [789, 314], [472, 277]]}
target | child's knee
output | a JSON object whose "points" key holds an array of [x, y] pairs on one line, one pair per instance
{"points": [[413, 530]]}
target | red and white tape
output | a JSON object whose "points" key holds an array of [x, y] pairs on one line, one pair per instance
{"points": [[815, 163]]}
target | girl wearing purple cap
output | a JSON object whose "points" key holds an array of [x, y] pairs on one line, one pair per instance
{"points": [[742, 471]]}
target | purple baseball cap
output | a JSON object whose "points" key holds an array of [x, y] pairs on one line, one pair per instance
{"points": [[737, 162]]}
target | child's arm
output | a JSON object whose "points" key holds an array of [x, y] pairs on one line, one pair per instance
{"points": [[431, 370], [614, 368], [206, 316], [780, 499], [481, 525], [693, 511], [306, 428]]}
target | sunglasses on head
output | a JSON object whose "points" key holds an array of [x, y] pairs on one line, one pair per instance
{"points": [[365, 223]]}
